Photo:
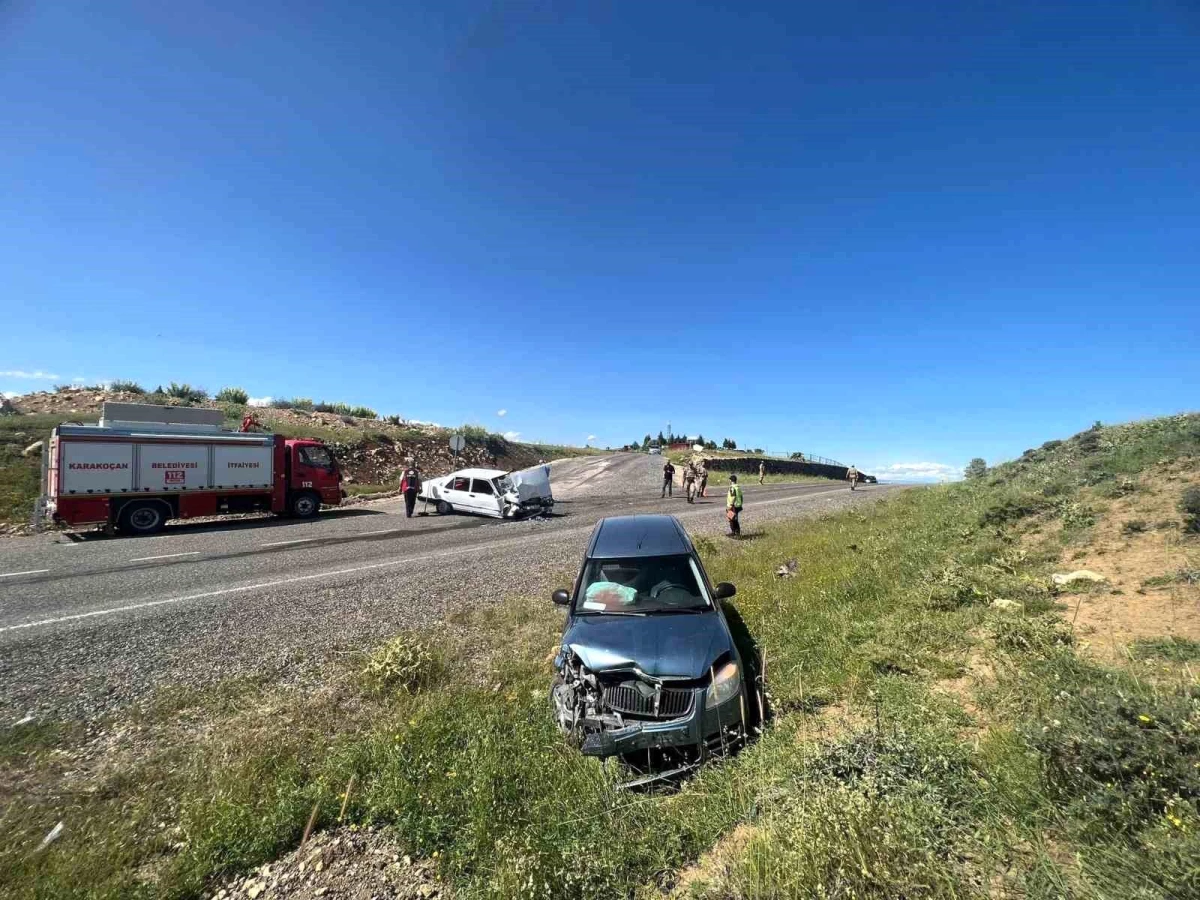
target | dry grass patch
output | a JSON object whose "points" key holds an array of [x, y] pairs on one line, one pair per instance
{"points": [[1126, 610]]}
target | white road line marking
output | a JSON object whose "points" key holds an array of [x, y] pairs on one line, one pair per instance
{"points": [[165, 556], [30, 572], [457, 551], [385, 531], [282, 543]]}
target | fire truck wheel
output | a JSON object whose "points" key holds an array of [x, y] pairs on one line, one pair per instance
{"points": [[305, 506], [147, 517]]}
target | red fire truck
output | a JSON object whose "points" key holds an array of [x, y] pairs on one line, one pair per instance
{"points": [[142, 465]]}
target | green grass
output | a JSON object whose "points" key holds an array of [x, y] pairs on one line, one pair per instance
{"points": [[1052, 777], [20, 475], [1175, 649]]}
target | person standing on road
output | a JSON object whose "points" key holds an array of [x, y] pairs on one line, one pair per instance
{"points": [[689, 481], [852, 476], [668, 479], [702, 474], [762, 472], [733, 507], [410, 484]]}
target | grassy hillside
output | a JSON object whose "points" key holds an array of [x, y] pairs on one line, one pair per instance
{"points": [[942, 724]]}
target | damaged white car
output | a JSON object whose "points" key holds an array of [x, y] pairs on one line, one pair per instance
{"points": [[491, 492]]}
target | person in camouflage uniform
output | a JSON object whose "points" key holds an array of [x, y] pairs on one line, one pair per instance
{"points": [[689, 481]]}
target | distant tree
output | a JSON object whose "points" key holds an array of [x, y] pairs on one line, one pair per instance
{"points": [[661, 440], [700, 440], [729, 444], [646, 441], [976, 468]]}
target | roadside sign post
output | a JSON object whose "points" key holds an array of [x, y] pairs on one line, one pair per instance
{"points": [[457, 442]]}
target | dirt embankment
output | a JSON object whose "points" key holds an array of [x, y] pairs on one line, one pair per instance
{"points": [[1150, 567]]}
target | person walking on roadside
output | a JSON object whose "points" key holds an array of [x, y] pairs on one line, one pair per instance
{"points": [[762, 472], [410, 484], [733, 507], [668, 479], [689, 482], [702, 475], [852, 476]]}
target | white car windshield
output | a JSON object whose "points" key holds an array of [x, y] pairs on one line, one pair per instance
{"points": [[644, 585]]}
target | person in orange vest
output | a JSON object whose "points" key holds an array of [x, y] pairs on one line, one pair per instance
{"points": [[410, 484]]}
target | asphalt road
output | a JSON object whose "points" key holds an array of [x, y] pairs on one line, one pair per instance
{"points": [[91, 623]]}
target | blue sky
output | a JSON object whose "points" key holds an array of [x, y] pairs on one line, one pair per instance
{"points": [[892, 236]]}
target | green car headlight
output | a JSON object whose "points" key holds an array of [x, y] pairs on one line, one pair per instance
{"points": [[725, 685]]}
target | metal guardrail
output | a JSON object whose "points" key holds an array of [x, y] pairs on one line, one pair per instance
{"points": [[787, 457], [808, 457], [822, 460]]}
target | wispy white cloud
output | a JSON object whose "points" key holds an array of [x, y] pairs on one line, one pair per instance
{"points": [[591, 437], [916, 471], [512, 435], [260, 401], [36, 374], [502, 413], [8, 395]]}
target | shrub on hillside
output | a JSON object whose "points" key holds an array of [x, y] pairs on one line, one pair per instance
{"points": [[976, 468], [1189, 505], [1075, 515], [1011, 509], [475, 434], [127, 387], [187, 393], [233, 395], [345, 409]]}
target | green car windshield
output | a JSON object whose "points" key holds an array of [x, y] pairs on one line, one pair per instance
{"points": [[643, 585]]}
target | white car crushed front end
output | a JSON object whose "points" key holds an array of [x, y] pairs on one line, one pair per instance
{"points": [[527, 492]]}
